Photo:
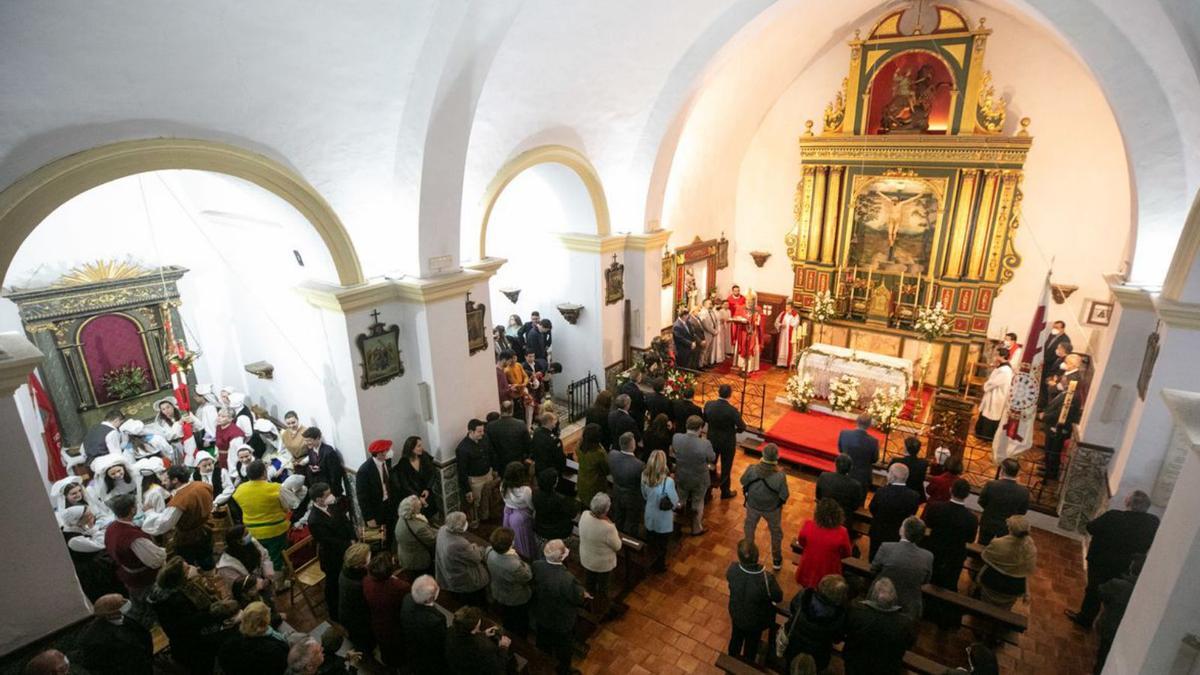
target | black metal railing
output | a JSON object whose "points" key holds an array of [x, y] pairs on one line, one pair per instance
{"points": [[749, 397], [580, 395]]}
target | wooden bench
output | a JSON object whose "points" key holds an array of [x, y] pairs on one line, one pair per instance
{"points": [[997, 622]]}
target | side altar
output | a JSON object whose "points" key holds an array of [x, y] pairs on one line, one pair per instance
{"points": [[910, 196]]}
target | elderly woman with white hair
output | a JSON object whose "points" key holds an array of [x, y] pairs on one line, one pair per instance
{"points": [[878, 633], [415, 537], [459, 565], [599, 543]]}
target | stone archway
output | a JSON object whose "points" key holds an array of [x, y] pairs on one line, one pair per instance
{"points": [[557, 154], [27, 202]]}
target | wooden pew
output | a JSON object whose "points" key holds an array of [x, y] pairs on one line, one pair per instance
{"points": [[1003, 622]]}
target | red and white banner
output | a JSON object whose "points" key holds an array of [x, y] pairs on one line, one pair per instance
{"points": [[50, 432], [1015, 434]]}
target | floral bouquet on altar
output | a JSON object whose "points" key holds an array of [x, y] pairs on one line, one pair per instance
{"points": [[932, 322], [885, 407], [843, 393], [800, 391], [823, 308], [674, 382]]}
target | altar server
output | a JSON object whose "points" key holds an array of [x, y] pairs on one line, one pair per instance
{"points": [[737, 316], [995, 396], [788, 325]]}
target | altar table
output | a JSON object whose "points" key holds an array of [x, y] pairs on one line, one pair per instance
{"points": [[825, 363]]}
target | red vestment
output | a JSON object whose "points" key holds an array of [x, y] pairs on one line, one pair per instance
{"points": [[737, 308]]}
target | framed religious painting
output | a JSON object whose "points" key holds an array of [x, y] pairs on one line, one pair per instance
{"points": [[722, 252], [476, 328], [668, 270], [1099, 313], [614, 282], [379, 349], [894, 221]]}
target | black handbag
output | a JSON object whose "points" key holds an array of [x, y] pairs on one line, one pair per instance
{"points": [[664, 502]]}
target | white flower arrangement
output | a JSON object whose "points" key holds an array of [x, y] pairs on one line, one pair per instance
{"points": [[932, 322], [823, 308], [885, 407], [800, 391], [843, 393]]}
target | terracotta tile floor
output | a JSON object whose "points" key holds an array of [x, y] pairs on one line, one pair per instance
{"points": [[678, 621]]}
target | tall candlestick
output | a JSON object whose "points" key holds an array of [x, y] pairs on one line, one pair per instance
{"points": [[870, 271], [900, 290], [917, 295]]}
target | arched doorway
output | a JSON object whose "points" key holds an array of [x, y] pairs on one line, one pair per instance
{"points": [[231, 252], [538, 210]]}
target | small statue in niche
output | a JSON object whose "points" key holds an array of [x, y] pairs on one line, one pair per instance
{"points": [[912, 100]]}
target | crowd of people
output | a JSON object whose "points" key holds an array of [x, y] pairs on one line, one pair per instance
{"points": [[142, 540], [707, 333]]}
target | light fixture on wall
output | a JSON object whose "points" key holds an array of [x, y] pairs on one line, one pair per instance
{"points": [[1060, 292], [261, 369], [570, 312], [511, 293], [760, 257]]}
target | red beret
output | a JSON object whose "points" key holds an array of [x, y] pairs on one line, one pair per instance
{"points": [[377, 447]]}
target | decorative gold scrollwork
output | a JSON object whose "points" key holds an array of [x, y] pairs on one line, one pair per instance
{"points": [[991, 110], [835, 111]]}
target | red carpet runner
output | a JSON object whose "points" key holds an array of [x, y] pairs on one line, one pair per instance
{"points": [[810, 439]]}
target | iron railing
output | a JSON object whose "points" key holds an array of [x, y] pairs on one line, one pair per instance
{"points": [[580, 395], [749, 397]]}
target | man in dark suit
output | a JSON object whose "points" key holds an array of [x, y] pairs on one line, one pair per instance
{"points": [[1117, 538], [840, 487], [324, 463], [559, 597], [917, 467], [863, 449], [547, 450], [1058, 336], [423, 628], [535, 318], [952, 526], [656, 403], [621, 421], [332, 530], [724, 424], [114, 643], [892, 504], [1000, 499], [378, 488], [1060, 416], [684, 339], [509, 437], [682, 408], [637, 403], [629, 508], [538, 342]]}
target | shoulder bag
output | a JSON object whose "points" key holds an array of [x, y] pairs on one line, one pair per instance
{"points": [[664, 502]]}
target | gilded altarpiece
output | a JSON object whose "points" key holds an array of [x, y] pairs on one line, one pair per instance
{"points": [[96, 317], [911, 194]]}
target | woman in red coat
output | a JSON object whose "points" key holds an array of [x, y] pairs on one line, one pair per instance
{"points": [[384, 592], [938, 486], [825, 542]]}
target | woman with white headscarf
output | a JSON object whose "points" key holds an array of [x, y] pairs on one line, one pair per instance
{"points": [[168, 424], [85, 543], [206, 413], [112, 476], [242, 415], [151, 473], [142, 443], [66, 493]]}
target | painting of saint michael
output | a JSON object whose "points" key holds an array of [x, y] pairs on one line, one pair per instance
{"points": [[894, 225]]}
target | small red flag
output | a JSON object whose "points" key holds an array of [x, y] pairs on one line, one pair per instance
{"points": [[50, 433]]}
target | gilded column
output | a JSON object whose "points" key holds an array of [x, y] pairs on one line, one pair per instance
{"points": [[816, 213], [983, 224], [1000, 233], [803, 214], [961, 225], [833, 213]]}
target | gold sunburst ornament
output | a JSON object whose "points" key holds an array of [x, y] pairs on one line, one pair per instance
{"points": [[101, 270]]}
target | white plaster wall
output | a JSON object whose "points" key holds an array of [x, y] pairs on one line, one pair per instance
{"points": [[1077, 203], [237, 240]]}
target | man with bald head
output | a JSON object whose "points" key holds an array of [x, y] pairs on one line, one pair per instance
{"points": [[49, 662], [113, 643], [559, 597]]}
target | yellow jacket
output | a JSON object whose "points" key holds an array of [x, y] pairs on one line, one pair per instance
{"points": [[262, 513]]}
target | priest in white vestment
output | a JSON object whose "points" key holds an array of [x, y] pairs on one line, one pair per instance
{"points": [[995, 396], [788, 325]]}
